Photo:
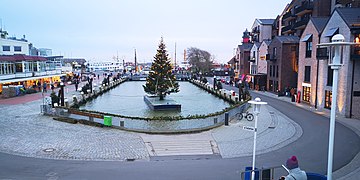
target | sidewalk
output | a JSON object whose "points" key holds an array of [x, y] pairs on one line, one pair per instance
{"points": [[351, 170]]}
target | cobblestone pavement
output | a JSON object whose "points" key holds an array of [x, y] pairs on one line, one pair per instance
{"points": [[274, 132], [24, 131]]}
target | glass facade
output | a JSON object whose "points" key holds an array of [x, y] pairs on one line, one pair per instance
{"points": [[328, 99], [306, 94], [6, 68]]}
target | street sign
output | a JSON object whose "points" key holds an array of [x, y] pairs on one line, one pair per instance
{"points": [[249, 128]]}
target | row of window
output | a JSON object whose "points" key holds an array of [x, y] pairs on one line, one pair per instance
{"points": [[7, 48], [274, 71], [19, 67]]}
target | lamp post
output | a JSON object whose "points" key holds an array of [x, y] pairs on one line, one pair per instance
{"points": [[336, 45], [256, 110], [62, 94]]}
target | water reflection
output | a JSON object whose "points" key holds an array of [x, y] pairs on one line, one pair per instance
{"points": [[127, 99]]}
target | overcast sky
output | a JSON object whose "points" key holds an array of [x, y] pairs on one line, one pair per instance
{"points": [[98, 30]]}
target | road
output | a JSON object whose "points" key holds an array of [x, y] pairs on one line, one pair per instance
{"points": [[311, 148]]}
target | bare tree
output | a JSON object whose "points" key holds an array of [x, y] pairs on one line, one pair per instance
{"points": [[200, 60]]}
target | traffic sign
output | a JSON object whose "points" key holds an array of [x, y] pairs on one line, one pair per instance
{"points": [[249, 128]]}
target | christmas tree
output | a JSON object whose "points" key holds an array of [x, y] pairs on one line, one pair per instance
{"points": [[161, 80]]}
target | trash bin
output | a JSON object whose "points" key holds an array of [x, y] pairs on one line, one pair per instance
{"points": [[248, 173], [107, 120]]}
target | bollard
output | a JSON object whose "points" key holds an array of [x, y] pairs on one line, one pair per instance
{"points": [[226, 119]]}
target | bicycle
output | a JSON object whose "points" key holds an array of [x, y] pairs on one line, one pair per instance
{"points": [[246, 114]]}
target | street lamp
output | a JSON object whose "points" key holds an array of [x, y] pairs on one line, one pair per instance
{"points": [[62, 94], [256, 110], [336, 47]]}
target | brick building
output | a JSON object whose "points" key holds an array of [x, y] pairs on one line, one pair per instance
{"points": [[282, 63], [308, 62]]}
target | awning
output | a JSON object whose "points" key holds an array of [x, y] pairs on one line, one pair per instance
{"points": [[331, 32], [29, 78], [306, 38]]}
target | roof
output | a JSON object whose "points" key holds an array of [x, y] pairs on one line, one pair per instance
{"points": [[266, 21], [267, 41], [245, 47], [288, 39], [70, 60], [21, 57], [257, 44], [319, 23], [350, 15], [232, 60]]}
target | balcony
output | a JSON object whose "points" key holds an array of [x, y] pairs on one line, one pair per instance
{"points": [[256, 30], [301, 24], [305, 8], [288, 29], [270, 57], [288, 16], [252, 59], [322, 53]]}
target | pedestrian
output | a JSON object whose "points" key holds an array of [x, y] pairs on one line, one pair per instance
{"points": [[44, 87], [295, 173], [52, 87], [76, 84]]}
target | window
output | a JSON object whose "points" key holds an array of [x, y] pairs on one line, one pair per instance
{"points": [[17, 48], [307, 73], [277, 71], [274, 52], [306, 93], [19, 67], [308, 49], [328, 99], [274, 70], [6, 48], [270, 71], [329, 77]]}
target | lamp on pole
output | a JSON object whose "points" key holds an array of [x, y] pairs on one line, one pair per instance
{"points": [[62, 94], [335, 61], [256, 110]]}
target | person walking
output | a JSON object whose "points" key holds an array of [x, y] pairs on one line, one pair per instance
{"points": [[295, 173], [44, 87]]}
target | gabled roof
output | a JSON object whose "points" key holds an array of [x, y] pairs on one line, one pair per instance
{"points": [[257, 44], [232, 60], [266, 21], [267, 41], [319, 23], [351, 16], [287, 39]]}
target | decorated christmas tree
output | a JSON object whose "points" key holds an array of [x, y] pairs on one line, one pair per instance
{"points": [[161, 80]]}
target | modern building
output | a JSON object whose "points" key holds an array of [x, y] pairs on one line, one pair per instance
{"points": [[343, 21], [308, 62], [45, 52], [12, 45], [282, 63], [18, 68], [261, 29], [298, 13]]}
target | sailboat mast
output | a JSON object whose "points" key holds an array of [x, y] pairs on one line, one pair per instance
{"points": [[135, 62]]}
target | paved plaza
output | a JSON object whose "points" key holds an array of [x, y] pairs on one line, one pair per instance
{"points": [[26, 132]]}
